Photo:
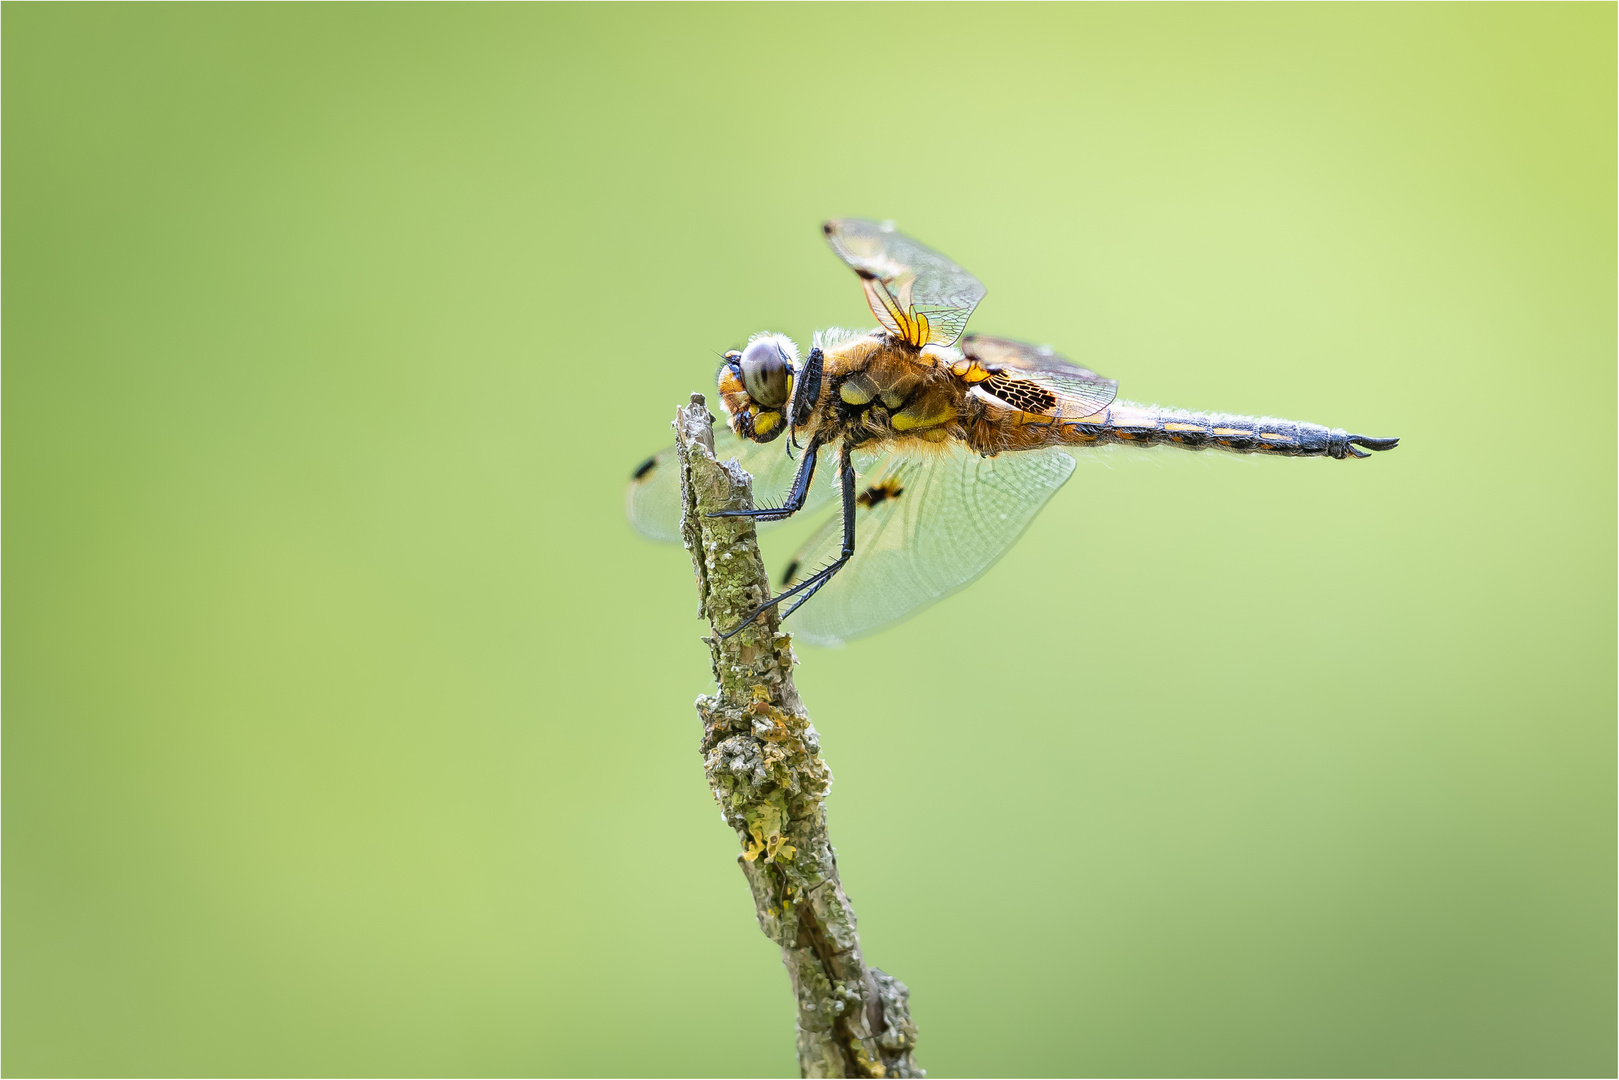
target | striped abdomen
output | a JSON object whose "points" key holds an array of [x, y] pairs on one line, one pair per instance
{"points": [[1129, 424]]}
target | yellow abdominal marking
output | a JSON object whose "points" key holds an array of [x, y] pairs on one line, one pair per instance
{"points": [[1229, 431], [1183, 427], [1274, 437]]}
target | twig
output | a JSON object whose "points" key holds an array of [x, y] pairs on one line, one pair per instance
{"points": [[761, 755]]}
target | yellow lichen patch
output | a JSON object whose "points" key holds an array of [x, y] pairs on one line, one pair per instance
{"points": [[766, 820], [772, 847], [872, 1068]]}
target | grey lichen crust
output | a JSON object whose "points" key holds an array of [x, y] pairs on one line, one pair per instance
{"points": [[762, 758]]}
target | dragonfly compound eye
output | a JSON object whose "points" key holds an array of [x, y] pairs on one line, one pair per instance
{"points": [[766, 372]]}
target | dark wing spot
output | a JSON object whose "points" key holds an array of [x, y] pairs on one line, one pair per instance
{"points": [[645, 467], [1019, 393], [788, 574], [879, 493]]}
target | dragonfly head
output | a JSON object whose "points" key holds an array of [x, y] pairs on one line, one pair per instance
{"points": [[756, 383]]}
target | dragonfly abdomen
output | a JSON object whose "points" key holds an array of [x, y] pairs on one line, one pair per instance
{"points": [[1130, 424]]}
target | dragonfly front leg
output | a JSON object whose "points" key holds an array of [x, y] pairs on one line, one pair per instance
{"points": [[810, 585], [795, 496]]}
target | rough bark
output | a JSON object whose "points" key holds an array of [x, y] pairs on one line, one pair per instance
{"points": [[762, 758]]}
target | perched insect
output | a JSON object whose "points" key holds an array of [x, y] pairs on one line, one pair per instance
{"points": [[944, 453]]}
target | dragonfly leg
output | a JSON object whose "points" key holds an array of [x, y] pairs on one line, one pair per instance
{"points": [[806, 390], [810, 585], [795, 497]]}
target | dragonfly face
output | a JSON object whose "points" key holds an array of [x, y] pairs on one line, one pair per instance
{"points": [[756, 384], [945, 446]]}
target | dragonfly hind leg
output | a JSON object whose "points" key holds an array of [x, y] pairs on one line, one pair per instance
{"points": [[812, 584]]}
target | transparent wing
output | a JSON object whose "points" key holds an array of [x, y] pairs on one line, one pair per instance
{"points": [[915, 292], [653, 501], [998, 353], [1033, 378], [924, 527]]}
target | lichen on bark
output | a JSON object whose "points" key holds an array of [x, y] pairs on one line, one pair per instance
{"points": [[762, 758]]}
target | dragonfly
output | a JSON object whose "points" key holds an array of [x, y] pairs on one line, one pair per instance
{"points": [[942, 445]]}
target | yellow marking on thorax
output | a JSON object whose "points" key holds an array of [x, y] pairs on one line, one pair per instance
{"points": [[857, 389], [923, 414], [894, 396]]}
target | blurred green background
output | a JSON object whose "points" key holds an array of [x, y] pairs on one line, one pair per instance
{"points": [[348, 726]]}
